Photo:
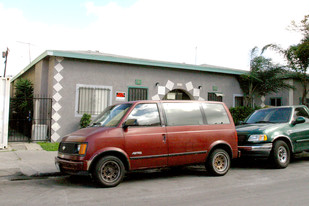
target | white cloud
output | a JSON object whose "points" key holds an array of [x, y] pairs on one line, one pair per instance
{"points": [[224, 31]]}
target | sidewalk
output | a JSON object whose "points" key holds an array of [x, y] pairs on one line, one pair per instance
{"points": [[27, 159]]}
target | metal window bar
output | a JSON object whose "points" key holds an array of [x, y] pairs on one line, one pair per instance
{"points": [[93, 100], [137, 94]]}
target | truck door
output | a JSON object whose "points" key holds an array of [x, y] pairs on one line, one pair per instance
{"points": [[300, 132]]}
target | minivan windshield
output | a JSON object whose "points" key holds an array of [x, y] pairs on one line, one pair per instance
{"points": [[273, 115], [111, 116]]}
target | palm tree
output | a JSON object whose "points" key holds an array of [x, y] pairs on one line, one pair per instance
{"points": [[297, 56], [264, 77]]}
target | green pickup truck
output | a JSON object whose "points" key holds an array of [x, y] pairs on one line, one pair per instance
{"points": [[275, 133]]}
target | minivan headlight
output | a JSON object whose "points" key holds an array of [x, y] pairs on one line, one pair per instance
{"points": [[73, 148], [257, 138]]}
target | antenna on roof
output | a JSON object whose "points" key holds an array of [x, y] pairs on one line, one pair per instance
{"points": [[29, 44], [195, 55]]}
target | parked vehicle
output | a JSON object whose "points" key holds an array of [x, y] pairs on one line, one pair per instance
{"points": [[151, 134], [275, 133]]}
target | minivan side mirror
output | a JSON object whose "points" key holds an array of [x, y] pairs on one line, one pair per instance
{"points": [[299, 120], [129, 122], [240, 122]]}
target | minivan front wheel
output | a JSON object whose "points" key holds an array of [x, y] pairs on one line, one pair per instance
{"points": [[218, 163], [109, 171], [280, 155]]}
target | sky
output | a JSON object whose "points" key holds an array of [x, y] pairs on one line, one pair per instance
{"points": [[220, 32]]}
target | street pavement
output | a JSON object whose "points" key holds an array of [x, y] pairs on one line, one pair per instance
{"points": [[27, 160]]}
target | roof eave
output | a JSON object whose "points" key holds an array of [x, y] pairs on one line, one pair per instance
{"points": [[76, 55]]}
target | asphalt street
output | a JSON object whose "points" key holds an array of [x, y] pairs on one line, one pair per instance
{"points": [[247, 183]]}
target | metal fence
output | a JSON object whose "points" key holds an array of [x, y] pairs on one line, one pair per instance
{"points": [[30, 119]]}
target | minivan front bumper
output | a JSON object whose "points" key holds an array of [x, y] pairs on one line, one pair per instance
{"points": [[71, 167], [259, 150]]}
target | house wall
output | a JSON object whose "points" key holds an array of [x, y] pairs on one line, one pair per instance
{"points": [[41, 78], [298, 92], [288, 96], [122, 76]]}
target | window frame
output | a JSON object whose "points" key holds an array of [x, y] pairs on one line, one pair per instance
{"points": [[90, 87], [234, 98], [276, 99], [134, 87], [215, 93]]}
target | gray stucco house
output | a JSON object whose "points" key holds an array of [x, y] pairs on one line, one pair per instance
{"points": [[86, 82]]}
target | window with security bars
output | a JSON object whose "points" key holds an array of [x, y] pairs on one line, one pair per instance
{"points": [[212, 96], [136, 93], [93, 100]]}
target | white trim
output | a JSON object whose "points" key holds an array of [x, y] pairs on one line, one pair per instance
{"points": [[236, 95], [291, 93], [94, 87]]}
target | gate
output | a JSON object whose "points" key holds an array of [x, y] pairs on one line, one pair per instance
{"points": [[30, 119]]}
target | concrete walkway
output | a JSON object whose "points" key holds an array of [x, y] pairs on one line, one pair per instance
{"points": [[27, 159]]}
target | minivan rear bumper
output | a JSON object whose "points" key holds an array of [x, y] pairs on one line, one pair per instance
{"points": [[260, 150]]}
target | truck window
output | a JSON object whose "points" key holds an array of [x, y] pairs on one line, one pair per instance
{"points": [[179, 114], [146, 115], [215, 114], [300, 111]]}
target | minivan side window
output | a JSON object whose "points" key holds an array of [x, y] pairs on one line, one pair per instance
{"points": [[179, 114], [215, 114], [146, 115]]}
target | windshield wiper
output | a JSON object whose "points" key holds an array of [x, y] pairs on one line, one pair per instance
{"points": [[264, 122], [96, 124]]}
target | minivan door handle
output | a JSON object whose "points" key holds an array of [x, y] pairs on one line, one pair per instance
{"points": [[164, 138]]}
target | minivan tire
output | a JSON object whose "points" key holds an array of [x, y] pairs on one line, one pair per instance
{"points": [[218, 163], [280, 155], [109, 171]]}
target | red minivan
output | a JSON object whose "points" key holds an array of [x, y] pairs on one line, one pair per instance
{"points": [[151, 134]]}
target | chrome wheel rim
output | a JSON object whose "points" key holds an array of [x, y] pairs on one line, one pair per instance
{"points": [[110, 171], [220, 162], [282, 154]]}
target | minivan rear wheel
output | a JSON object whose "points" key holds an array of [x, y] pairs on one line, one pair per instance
{"points": [[109, 171], [218, 163]]}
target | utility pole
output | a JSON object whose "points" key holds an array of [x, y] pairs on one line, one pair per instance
{"points": [[5, 55]]}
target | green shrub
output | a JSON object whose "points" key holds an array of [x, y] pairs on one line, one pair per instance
{"points": [[85, 120], [49, 146], [241, 113]]}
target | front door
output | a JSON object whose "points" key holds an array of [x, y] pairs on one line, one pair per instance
{"points": [[300, 132], [145, 142]]}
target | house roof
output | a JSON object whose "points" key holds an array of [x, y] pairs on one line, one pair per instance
{"points": [[97, 56]]}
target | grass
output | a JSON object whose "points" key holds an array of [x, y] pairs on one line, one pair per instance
{"points": [[49, 146]]}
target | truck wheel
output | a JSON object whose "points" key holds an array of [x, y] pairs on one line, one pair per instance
{"points": [[109, 171], [280, 155], [218, 163]]}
